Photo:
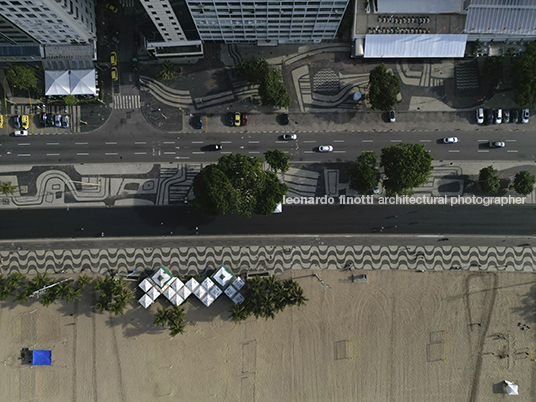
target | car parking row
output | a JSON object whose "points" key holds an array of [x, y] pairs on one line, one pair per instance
{"points": [[499, 116], [21, 123]]}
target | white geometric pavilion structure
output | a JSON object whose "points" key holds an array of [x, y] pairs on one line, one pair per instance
{"points": [[145, 285], [176, 300], [184, 292], [176, 284], [169, 293], [223, 277], [57, 83], [153, 293], [160, 278], [192, 285], [145, 301], [511, 388], [83, 82]]}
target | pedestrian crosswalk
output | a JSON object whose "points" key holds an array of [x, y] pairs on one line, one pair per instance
{"points": [[127, 102], [126, 3]]}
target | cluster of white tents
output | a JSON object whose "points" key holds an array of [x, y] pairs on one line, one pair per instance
{"points": [[70, 82], [162, 282]]}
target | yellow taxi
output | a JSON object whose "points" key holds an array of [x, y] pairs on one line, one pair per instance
{"points": [[113, 58], [25, 121], [1, 121], [237, 119], [115, 74]]}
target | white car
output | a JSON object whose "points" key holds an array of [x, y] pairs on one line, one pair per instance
{"points": [[480, 116], [325, 148], [525, 116], [21, 133], [496, 144], [392, 116], [450, 140], [289, 137], [498, 116]]}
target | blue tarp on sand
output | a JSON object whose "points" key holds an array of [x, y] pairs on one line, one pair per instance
{"points": [[42, 358]]}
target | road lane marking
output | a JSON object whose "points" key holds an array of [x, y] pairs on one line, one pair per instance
{"points": [[140, 153], [227, 142], [512, 150], [308, 152], [396, 140], [367, 141], [454, 150], [82, 153], [80, 143], [511, 141], [484, 150], [110, 153], [140, 143], [308, 142], [170, 153], [198, 153], [425, 140], [182, 157], [111, 143], [482, 140], [24, 154], [53, 154], [339, 152], [53, 143], [198, 142], [253, 142], [338, 140], [168, 142], [252, 152], [23, 144]]}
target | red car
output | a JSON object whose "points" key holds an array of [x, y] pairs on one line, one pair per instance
{"points": [[244, 119]]}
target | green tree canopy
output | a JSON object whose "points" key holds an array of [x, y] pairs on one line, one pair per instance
{"points": [[523, 71], [7, 188], [168, 71], [70, 100], [524, 182], [272, 91], [237, 184], [406, 166], [489, 180], [363, 175], [384, 86], [277, 160], [21, 76]]}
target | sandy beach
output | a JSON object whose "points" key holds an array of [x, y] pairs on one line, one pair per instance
{"points": [[402, 336]]}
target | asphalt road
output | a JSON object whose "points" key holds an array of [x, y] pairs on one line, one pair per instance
{"points": [[132, 139], [183, 220]]}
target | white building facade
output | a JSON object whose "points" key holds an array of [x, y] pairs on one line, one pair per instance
{"points": [[267, 22], [52, 22]]}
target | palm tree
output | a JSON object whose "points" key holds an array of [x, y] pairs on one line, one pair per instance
{"points": [[168, 71], [83, 281], [239, 312], [161, 317], [7, 188], [22, 297], [73, 294], [178, 329]]}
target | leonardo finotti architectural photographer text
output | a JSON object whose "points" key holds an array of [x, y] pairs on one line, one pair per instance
{"points": [[404, 200]]}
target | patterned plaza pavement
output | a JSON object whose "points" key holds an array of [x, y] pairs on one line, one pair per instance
{"points": [[200, 254]]}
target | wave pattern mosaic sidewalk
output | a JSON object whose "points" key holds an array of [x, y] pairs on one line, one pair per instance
{"points": [[274, 259]]}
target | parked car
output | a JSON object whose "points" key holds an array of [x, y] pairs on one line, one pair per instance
{"points": [[496, 144], [480, 116], [283, 119], [57, 120], [325, 148], [1, 121], [392, 116], [498, 116], [488, 116], [230, 119], [25, 121], [17, 122], [215, 147], [43, 119], [65, 121], [514, 116], [113, 58], [244, 119], [450, 140], [112, 8], [21, 133], [525, 116], [198, 122], [115, 74], [237, 119], [289, 137], [506, 116], [50, 120]]}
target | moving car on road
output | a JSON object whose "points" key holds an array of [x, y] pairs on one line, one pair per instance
{"points": [[496, 144], [112, 8], [525, 116], [21, 133], [215, 147], [450, 140], [325, 148], [115, 74], [480, 116], [289, 137], [237, 120], [25, 121]]}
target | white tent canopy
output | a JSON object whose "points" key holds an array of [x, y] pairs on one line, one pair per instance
{"points": [[145, 285], [57, 83], [408, 46], [145, 301], [511, 388], [153, 293], [83, 82]]}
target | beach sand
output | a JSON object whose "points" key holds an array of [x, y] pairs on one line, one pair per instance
{"points": [[403, 336]]}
